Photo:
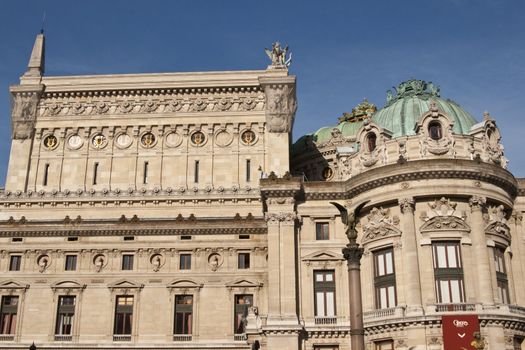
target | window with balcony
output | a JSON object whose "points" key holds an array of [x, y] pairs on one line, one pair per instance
{"points": [[65, 316], [123, 316], [242, 303], [15, 262], [127, 262], [183, 315], [71, 262], [385, 279], [185, 262], [501, 274], [322, 232], [8, 314], [448, 272], [324, 289], [243, 261]]}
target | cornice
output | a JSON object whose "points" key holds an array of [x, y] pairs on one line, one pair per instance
{"points": [[130, 197], [133, 226], [413, 170]]}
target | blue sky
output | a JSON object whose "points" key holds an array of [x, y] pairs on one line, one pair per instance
{"points": [[343, 51]]}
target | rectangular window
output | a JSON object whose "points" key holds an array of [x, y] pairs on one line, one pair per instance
{"points": [[248, 170], [196, 173], [183, 314], [123, 315], [65, 315], [46, 174], [185, 262], [8, 313], [384, 345], [127, 262], [14, 262], [448, 272], [321, 231], [243, 261], [385, 279], [71, 262], [501, 275], [242, 303], [324, 289], [95, 173], [145, 173]]}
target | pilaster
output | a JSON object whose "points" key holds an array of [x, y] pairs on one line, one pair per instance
{"points": [[410, 257], [479, 247]]}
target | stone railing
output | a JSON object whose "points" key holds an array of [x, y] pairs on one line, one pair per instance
{"points": [[452, 307], [240, 337], [121, 337], [326, 321], [7, 337], [392, 312], [515, 309], [182, 337], [63, 337]]}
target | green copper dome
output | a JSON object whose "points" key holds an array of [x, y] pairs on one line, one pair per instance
{"points": [[412, 99]]}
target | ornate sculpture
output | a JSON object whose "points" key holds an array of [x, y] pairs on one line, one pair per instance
{"points": [[278, 55], [350, 220], [23, 114], [478, 342], [280, 107]]}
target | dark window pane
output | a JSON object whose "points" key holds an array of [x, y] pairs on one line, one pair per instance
{"points": [[321, 231], [435, 131], [127, 262], [8, 314], [71, 262], [185, 261], [14, 263], [242, 303], [243, 261]]}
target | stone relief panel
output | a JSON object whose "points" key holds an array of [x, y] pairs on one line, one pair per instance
{"points": [[23, 114], [380, 224], [443, 216], [496, 222]]}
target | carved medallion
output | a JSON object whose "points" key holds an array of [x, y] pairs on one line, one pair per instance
{"points": [[75, 141], [198, 138], [148, 140], [328, 173], [101, 107], [248, 137], [50, 142], [99, 141], [223, 138], [173, 139], [175, 106], [199, 105], [224, 104], [123, 140], [248, 103], [215, 261]]}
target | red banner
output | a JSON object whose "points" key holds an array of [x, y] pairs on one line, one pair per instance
{"points": [[458, 331]]}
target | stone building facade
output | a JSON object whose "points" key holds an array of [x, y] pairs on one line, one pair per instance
{"points": [[172, 211]]}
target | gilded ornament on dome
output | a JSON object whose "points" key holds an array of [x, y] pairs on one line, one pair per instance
{"points": [[50, 142], [359, 112], [147, 140], [198, 138], [248, 137], [99, 141]]}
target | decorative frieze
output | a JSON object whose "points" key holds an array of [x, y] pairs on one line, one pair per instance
{"points": [[380, 224]]}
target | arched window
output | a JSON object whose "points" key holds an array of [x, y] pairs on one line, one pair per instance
{"points": [[435, 131], [371, 139]]}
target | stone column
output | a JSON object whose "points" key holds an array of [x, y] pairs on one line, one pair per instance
{"points": [[479, 247], [410, 257], [353, 254]]}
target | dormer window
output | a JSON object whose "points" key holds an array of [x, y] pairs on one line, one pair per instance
{"points": [[371, 143], [435, 131]]}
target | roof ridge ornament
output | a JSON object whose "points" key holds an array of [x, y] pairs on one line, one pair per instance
{"points": [[278, 55], [410, 88], [359, 112]]}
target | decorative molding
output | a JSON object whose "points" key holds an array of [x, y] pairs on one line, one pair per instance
{"points": [[496, 222], [380, 224], [477, 203], [443, 216], [407, 204]]}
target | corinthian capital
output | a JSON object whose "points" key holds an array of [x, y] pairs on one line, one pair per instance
{"points": [[477, 203], [407, 204], [353, 254], [285, 218]]}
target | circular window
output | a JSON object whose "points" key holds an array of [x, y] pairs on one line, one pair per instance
{"points": [[435, 131], [198, 138], [248, 137], [371, 142], [50, 142], [147, 140], [99, 141]]}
